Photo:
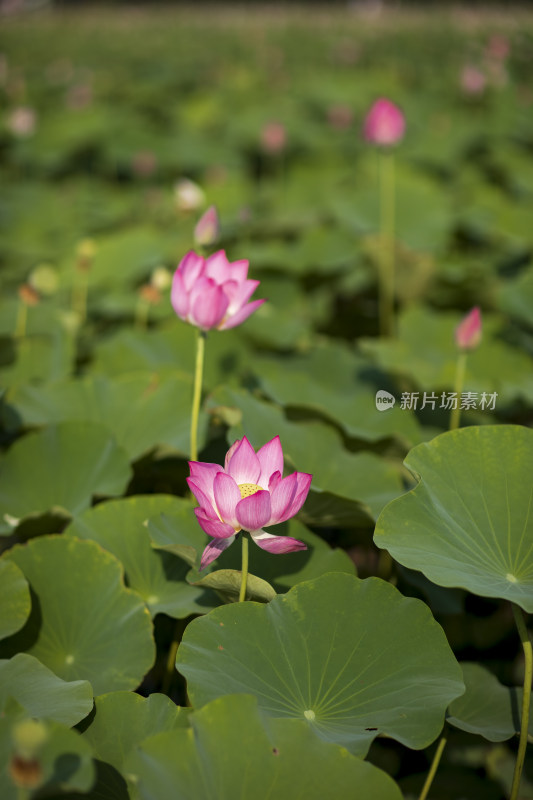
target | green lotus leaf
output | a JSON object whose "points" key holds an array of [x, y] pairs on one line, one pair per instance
{"points": [[487, 707], [86, 624], [64, 758], [159, 577], [468, 522], [15, 600], [60, 468], [123, 720], [322, 653], [231, 751], [227, 584], [331, 380], [41, 357], [142, 410], [178, 532], [41, 693]]}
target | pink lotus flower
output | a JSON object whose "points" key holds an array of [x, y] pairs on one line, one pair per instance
{"points": [[213, 292], [248, 493], [468, 332], [384, 123], [207, 228]]}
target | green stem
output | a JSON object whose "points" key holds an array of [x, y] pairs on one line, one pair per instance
{"points": [[79, 294], [386, 267], [526, 698], [197, 393], [460, 370], [142, 312], [434, 766], [244, 573], [22, 318], [22, 793]]}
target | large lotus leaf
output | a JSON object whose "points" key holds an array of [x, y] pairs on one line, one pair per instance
{"points": [[15, 600], [171, 348], [65, 759], [60, 469], [231, 751], [43, 357], [41, 693], [354, 658], [141, 410], [86, 625], [119, 526], [332, 381], [362, 479], [468, 522], [425, 351], [123, 720], [487, 707], [516, 296]]}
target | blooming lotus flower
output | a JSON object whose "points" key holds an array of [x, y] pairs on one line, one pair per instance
{"points": [[468, 332], [384, 123], [213, 292], [248, 493]]}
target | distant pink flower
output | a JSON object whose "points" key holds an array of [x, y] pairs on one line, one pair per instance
{"points": [[22, 121], [384, 123], [498, 47], [248, 493], [473, 81], [213, 292], [144, 163], [468, 332], [340, 117], [273, 137], [207, 228]]}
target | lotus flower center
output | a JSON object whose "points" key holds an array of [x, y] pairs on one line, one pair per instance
{"points": [[248, 489]]}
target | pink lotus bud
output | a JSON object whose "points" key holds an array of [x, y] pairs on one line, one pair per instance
{"points": [[273, 137], [213, 292], [207, 228], [247, 493], [468, 332], [384, 123]]}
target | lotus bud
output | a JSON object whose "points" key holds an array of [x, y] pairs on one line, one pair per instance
{"points": [[468, 332]]}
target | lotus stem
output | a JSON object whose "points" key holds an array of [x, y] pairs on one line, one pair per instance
{"points": [[79, 294], [197, 393], [387, 224], [526, 698], [244, 573], [434, 766], [460, 370], [21, 321]]}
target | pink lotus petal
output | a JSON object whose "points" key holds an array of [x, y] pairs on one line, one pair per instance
{"points": [[207, 228], [230, 452], [254, 511], [218, 267], [271, 459], [178, 296], [244, 465], [208, 304], [241, 315], [282, 498], [213, 527], [302, 490], [205, 503], [468, 332], [227, 496], [214, 549], [277, 544], [239, 294], [274, 480], [239, 270], [203, 475], [191, 268]]}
